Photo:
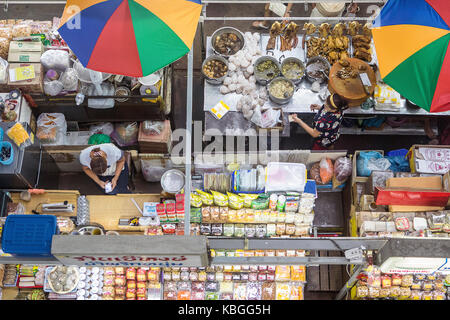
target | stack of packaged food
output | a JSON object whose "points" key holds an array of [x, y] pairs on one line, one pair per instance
{"points": [[235, 282], [131, 283], [372, 284], [252, 215]]}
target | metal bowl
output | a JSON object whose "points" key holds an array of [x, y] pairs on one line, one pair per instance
{"points": [[221, 31], [261, 77], [218, 80], [172, 181], [311, 61], [300, 63], [282, 100]]}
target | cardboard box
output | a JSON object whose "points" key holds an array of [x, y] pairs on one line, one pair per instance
{"points": [[429, 183], [429, 158], [35, 85], [24, 56], [378, 179], [161, 143], [26, 46]]}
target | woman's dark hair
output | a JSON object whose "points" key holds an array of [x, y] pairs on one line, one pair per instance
{"points": [[338, 101], [98, 162]]}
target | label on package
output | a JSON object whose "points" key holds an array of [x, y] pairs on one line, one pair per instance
{"points": [[170, 208], [425, 166], [149, 209], [179, 207]]}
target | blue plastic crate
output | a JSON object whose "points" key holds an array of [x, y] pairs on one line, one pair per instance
{"points": [[29, 234]]}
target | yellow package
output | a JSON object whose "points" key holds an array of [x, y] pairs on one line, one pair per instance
{"points": [[248, 198], [240, 215], [283, 291], [18, 134], [196, 201], [207, 198], [232, 216], [220, 199], [234, 201], [282, 273], [249, 216], [298, 273]]}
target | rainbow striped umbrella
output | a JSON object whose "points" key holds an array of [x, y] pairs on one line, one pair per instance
{"points": [[129, 37], [412, 44]]}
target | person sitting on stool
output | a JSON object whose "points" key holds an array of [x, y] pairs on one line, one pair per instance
{"points": [[105, 163]]}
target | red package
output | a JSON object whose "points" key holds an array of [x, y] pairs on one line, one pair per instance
{"points": [[160, 209], [402, 224], [180, 197], [131, 273], [169, 228], [170, 208], [131, 284], [179, 207], [141, 275]]}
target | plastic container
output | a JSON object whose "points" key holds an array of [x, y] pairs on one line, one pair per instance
{"points": [[29, 234], [11, 157], [283, 176]]}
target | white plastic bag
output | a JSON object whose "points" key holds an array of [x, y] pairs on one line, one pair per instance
{"points": [[104, 128], [70, 80], [107, 89], [53, 88], [152, 170], [283, 176], [381, 164], [257, 117], [55, 59], [51, 128], [270, 118]]}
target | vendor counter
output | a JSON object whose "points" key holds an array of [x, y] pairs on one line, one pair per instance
{"points": [[105, 210]]}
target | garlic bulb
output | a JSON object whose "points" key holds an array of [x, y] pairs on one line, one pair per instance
{"points": [[224, 89]]}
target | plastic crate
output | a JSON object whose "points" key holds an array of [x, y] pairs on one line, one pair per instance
{"points": [[29, 234]]}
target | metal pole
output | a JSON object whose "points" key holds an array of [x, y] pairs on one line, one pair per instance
{"points": [[188, 141], [350, 283]]}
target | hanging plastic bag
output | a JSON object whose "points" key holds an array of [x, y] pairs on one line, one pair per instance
{"points": [[106, 89], [55, 59], [363, 160], [270, 118], [342, 170], [125, 134], [53, 88], [103, 128], [326, 170], [51, 128], [69, 79]]}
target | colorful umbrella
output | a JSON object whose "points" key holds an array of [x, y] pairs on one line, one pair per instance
{"points": [[129, 37], [412, 44]]}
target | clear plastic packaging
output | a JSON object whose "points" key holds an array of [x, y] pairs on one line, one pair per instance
{"points": [[152, 170], [125, 134], [53, 88], [69, 79], [342, 168], [51, 128], [4, 48], [21, 30], [285, 177], [106, 128], [6, 32], [326, 170]]}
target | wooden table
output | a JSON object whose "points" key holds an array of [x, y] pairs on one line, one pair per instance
{"points": [[351, 89]]}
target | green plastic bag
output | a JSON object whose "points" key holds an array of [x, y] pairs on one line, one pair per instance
{"points": [[99, 139]]}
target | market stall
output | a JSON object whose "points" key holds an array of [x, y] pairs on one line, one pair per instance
{"points": [[235, 99]]}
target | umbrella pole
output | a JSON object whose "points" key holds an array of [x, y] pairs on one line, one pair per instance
{"points": [[188, 141]]}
